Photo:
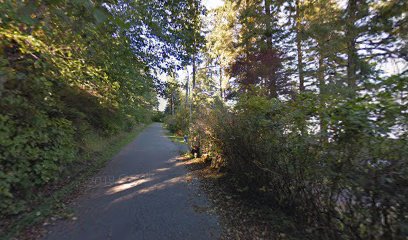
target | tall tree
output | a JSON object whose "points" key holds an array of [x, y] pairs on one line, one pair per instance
{"points": [[222, 40], [299, 36]]}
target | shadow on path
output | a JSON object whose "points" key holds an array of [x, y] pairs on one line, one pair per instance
{"points": [[145, 192]]}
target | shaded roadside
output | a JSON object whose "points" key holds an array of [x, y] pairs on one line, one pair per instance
{"points": [[242, 216]]}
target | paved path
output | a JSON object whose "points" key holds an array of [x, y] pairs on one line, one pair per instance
{"points": [[143, 193]]}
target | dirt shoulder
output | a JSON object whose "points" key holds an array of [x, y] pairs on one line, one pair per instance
{"points": [[241, 216]]}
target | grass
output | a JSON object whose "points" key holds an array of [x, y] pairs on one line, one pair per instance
{"points": [[175, 138], [101, 150], [178, 140]]}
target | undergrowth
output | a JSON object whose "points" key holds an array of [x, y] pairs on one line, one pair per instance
{"points": [[97, 150]]}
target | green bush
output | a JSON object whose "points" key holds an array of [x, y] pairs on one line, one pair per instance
{"points": [[347, 183], [32, 154], [158, 116], [179, 122], [60, 84]]}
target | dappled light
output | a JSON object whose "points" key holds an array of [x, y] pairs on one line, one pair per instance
{"points": [[134, 192], [128, 183], [162, 169], [137, 119], [129, 187], [160, 186]]}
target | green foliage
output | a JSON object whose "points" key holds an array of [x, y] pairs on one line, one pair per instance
{"points": [[74, 69], [178, 123], [343, 186], [158, 116], [314, 125], [66, 72], [33, 153], [100, 149]]}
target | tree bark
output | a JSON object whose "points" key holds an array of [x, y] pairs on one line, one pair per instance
{"points": [[194, 71], [298, 28], [351, 35], [221, 95], [268, 24], [270, 84], [322, 90], [187, 83]]}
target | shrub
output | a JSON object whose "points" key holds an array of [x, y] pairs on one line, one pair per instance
{"points": [[178, 123], [158, 116], [347, 183], [32, 154]]}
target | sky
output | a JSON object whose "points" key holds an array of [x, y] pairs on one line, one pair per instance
{"points": [[211, 4]]}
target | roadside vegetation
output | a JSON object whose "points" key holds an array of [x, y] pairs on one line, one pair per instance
{"points": [[297, 103], [75, 76], [302, 105], [51, 202]]}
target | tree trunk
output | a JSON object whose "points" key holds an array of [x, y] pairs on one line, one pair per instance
{"points": [[187, 83], [322, 91], [299, 47], [221, 82], [172, 104], [351, 35], [194, 72], [268, 24], [270, 84]]}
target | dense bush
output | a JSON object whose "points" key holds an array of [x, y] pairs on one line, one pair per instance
{"points": [[179, 122], [347, 183], [158, 116], [59, 84], [32, 154], [316, 123]]}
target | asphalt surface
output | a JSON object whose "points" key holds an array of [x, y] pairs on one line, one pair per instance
{"points": [[143, 193]]}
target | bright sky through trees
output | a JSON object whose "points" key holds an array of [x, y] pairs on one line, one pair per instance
{"points": [[298, 104], [304, 105], [210, 4]]}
